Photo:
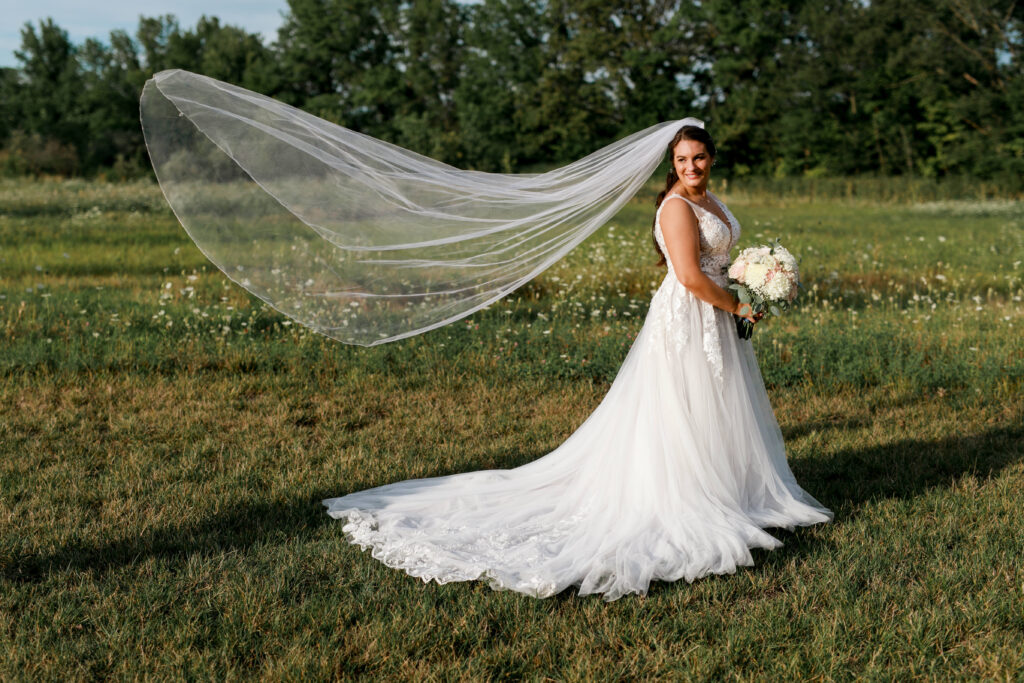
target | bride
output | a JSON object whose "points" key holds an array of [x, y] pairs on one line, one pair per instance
{"points": [[678, 471], [675, 475]]}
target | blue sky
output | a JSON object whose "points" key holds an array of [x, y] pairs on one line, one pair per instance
{"points": [[97, 19]]}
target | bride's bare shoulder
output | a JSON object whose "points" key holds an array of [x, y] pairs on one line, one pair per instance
{"points": [[676, 211]]}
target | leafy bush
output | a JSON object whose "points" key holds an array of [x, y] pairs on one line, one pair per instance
{"points": [[32, 154]]}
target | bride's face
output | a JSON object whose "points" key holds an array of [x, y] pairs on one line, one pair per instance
{"points": [[692, 163]]}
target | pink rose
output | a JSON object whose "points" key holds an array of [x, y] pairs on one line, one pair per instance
{"points": [[737, 269]]}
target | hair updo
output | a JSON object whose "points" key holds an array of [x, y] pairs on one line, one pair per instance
{"points": [[697, 134]]}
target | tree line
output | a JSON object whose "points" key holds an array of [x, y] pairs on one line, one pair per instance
{"points": [[788, 87]]}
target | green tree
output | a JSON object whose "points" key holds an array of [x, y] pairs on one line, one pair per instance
{"points": [[788, 87], [50, 103], [340, 61], [975, 123], [112, 78], [10, 99], [552, 81], [505, 52], [224, 52], [429, 36], [637, 58], [747, 49]]}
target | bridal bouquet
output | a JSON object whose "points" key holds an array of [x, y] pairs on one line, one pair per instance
{"points": [[765, 277]]}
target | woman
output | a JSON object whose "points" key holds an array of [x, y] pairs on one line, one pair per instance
{"points": [[675, 475]]}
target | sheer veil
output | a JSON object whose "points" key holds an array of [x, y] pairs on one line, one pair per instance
{"points": [[359, 239]]}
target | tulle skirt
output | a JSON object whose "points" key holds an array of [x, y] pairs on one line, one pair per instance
{"points": [[675, 475]]}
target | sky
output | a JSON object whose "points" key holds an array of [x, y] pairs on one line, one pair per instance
{"points": [[82, 19]]}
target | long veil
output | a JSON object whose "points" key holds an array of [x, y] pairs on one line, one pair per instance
{"points": [[356, 238]]}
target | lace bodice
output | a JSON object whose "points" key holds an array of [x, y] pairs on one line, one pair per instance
{"points": [[716, 238]]}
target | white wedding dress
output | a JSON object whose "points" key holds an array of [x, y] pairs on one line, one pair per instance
{"points": [[675, 475]]}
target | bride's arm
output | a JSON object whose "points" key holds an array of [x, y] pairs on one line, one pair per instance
{"points": [[682, 239]]}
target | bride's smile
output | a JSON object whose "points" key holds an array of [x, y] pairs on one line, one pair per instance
{"points": [[692, 164]]}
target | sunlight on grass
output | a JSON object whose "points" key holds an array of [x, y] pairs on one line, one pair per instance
{"points": [[166, 440]]}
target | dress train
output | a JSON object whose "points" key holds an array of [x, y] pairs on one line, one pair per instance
{"points": [[675, 475]]}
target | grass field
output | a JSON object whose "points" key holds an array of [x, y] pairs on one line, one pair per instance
{"points": [[165, 441]]}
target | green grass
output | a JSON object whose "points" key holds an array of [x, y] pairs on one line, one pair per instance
{"points": [[165, 441], [880, 189]]}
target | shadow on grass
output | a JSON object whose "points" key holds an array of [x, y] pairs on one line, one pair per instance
{"points": [[907, 467], [843, 481], [240, 527], [904, 469], [848, 480]]}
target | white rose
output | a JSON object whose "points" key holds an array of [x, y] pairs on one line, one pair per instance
{"points": [[755, 275], [777, 288], [787, 260]]}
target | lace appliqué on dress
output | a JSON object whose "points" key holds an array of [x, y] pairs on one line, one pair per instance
{"points": [[446, 553], [712, 342], [667, 306]]}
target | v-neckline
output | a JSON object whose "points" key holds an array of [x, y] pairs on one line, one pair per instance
{"points": [[726, 222]]}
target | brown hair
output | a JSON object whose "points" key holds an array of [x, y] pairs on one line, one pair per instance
{"points": [[697, 134]]}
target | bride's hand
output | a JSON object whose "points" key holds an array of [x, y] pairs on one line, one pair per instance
{"points": [[745, 311]]}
